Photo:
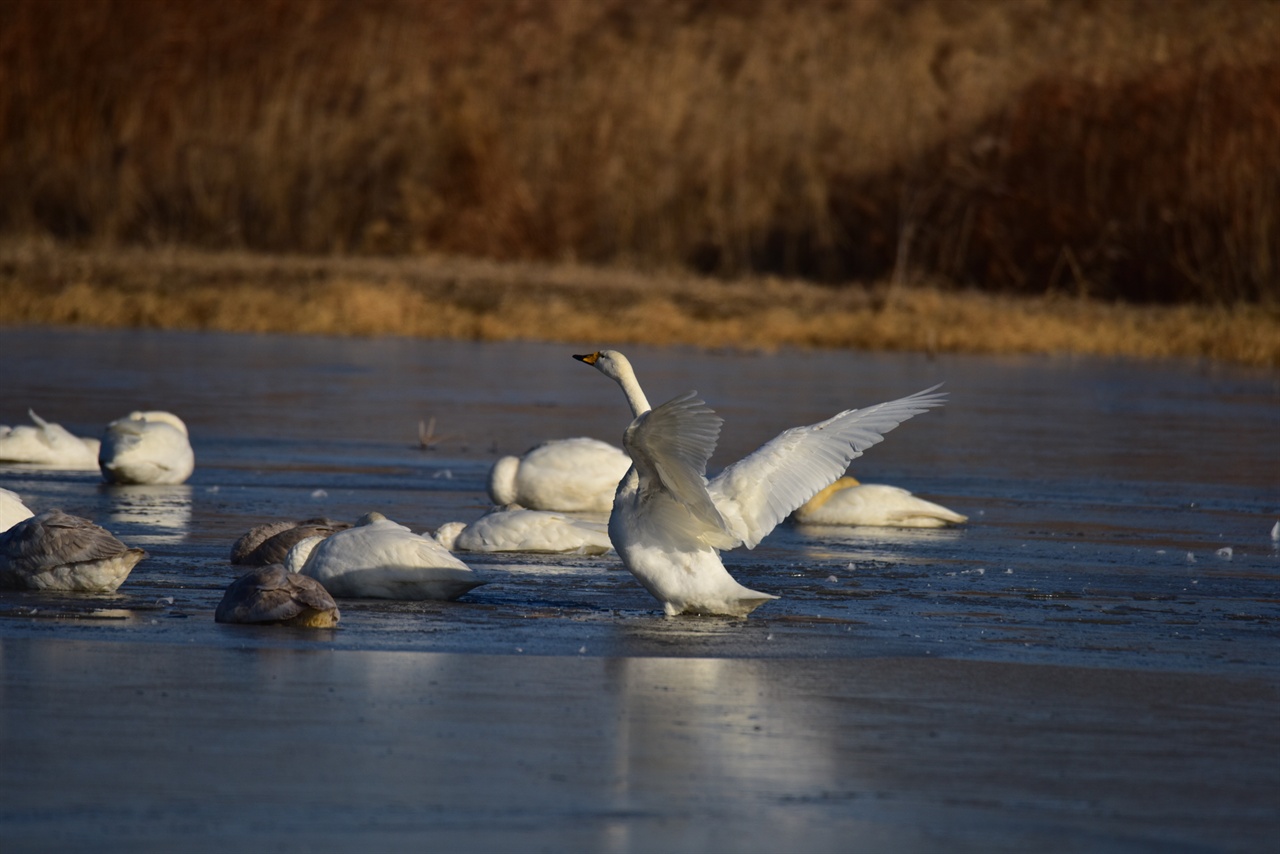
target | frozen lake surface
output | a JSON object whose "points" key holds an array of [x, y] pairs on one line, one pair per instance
{"points": [[1092, 663]]}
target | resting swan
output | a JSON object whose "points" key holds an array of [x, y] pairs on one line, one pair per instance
{"points": [[515, 529], [266, 544], [271, 594], [57, 551], [848, 502], [379, 559], [569, 475], [47, 444], [669, 524], [146, 447]]}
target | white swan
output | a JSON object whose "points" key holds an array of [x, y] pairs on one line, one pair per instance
{"points": [[848, 502], [47, 444], [57, 551], [669, 524], [569, 475], [146, 447], [515, 529], [12, 510], [379, 559], [266, 544], [271, 594]]}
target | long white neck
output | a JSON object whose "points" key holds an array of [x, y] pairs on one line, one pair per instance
{"points": [[635, 395]]}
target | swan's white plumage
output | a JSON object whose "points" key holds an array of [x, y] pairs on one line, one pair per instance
{"points": [[850, 503], [448, 533], [567, 475], [669, 523], [516, 529], [296, 558], [380, 559], [760, 490], [47, 444], [57, 551], [672, 445], [146, 447], [12, 510]]}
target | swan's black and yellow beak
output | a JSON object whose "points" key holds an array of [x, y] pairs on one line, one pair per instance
{"points": [[590, 359]]}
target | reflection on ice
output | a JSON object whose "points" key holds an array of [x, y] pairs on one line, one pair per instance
{"points": [[162, 512], [829, 542], [725, 712], [869, 536]]}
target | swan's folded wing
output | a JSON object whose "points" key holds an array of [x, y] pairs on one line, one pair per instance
{"points": [[121, 437], [424, 551], [54, 538], [670, 446], [271, 594], [127, 429], [756, 493]]}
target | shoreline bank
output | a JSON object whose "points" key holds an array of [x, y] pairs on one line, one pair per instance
{"points": [[472, 299]]}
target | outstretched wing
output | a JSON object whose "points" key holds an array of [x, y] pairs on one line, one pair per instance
{"points": [[756, 493], [670, 446]]}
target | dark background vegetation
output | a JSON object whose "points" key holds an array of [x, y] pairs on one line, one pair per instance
{"points": [[1111, 149]]}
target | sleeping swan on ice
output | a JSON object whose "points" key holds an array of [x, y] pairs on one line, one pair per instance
{"points": [[47, 444], [568, 475], [271, 594], [270, 543], [515, 529], [379, 559], [57, 551], [146, 447], [848, 502]]}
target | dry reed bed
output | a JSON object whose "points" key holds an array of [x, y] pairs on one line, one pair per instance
{"points": [[1124, 148], [590, 307]]}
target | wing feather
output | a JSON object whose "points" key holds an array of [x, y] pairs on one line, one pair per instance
{"points": [[670, 446], [756, 493], [54, 538]]}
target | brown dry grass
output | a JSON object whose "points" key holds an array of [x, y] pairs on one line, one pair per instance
{"points": [[1122, 148], [42, 283]]}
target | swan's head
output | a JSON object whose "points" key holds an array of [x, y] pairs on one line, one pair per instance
{"points": [[611, 363], [370, 518], [615, 366]]}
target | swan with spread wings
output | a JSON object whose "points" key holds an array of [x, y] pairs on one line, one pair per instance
{"points": [[669, 523]]}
